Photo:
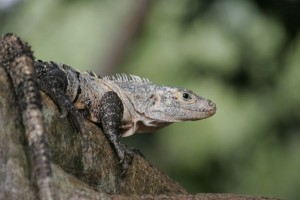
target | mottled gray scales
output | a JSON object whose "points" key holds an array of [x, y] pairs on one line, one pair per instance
{"points": [[111, 114], [145, 106]]}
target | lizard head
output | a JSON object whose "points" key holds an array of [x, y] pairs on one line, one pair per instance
{"points": [[148, 107], [174, 105]]}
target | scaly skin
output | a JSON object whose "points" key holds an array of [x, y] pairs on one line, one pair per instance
{"points": [[17, 59], [122, 105]]}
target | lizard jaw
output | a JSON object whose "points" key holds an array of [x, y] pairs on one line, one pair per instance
{"points": [[140, 126]]}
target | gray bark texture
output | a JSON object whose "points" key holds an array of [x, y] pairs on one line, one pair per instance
{"points": [[93, 174]]}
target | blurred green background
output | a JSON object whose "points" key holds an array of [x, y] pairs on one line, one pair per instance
{"points": [[244, 55]]}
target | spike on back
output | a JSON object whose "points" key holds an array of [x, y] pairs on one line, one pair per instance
{"points": [[91, 74], [127, 78]]}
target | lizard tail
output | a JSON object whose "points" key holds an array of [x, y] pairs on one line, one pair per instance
{"points": [[17, 58]]}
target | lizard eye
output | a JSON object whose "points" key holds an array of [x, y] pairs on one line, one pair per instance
{"points": [[186, 96]]}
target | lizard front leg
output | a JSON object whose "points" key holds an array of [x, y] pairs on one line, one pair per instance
{"points": [[53, 82], [110, 115]]}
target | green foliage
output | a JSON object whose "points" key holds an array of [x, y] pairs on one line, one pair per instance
{"points": [[234, 54]]}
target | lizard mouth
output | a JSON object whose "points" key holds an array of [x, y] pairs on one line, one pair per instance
{"points": [[193, 114], [211, 110], [203, 113]]}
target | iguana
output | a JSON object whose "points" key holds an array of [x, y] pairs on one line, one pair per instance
{"points": [[121, 105]]}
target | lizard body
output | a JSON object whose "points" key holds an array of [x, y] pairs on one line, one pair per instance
{"points": [[147, 106], [121, 105]]}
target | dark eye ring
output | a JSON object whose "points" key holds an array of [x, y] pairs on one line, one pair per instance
{"points": [[186, 96]]}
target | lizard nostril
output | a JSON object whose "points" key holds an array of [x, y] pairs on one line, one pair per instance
{"points": [[212, 104]]}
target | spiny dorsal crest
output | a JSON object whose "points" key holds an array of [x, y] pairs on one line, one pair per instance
{"points": [[127, 78], [90, 73]]}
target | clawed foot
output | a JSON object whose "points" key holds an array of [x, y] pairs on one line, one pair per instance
{"points": [[137, 152], [68, 110], [77, 121], [126, 156]]}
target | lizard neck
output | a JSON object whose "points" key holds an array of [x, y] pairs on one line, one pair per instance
{"points": [[134, 119], [130, 116]]}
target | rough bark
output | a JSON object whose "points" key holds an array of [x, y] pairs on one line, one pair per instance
{"points": [[94, 174]]}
